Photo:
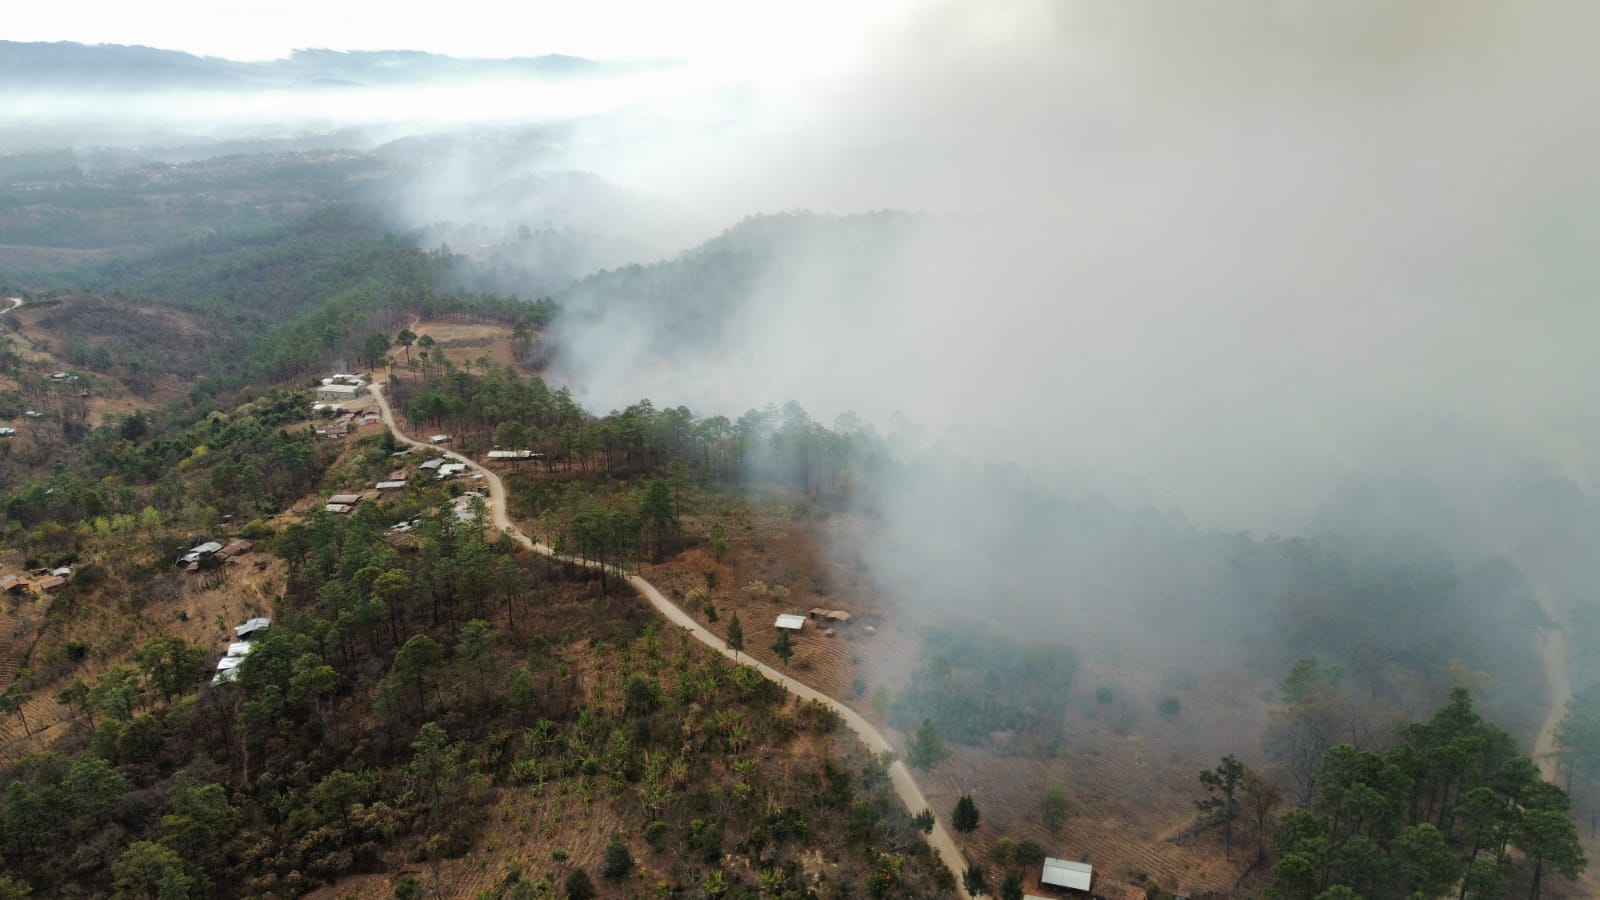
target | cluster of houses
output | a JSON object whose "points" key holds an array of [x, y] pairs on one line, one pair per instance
{"points": [[227, 667], [444, 471], [826, 619], [332, 394], [343, 503], [43, 581], [10, 431], [224, 553]]}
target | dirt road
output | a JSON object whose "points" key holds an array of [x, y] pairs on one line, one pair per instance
{"points": [[940, 840], [1553, 653]]}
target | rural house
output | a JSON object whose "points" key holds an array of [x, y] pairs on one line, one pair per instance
{"points": [[338, 392], [252, 629], [1070, 879], [791, 621]]}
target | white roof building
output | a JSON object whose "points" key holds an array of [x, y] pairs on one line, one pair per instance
{"points": [[791, 621], [340, 391], [431, 464], [239, 648], [450, 470], [390, 485], [1073, 876]]}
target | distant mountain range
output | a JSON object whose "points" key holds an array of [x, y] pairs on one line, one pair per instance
{"points": [[119, 68]]}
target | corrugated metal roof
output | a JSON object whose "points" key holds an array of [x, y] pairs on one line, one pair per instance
{"points": [[257, 624], [1061, 873], [791, 621]]}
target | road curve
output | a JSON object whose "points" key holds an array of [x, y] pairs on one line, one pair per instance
{"points": [[940, 840]]}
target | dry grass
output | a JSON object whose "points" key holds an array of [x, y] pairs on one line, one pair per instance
{"points": [[1131, 775]]}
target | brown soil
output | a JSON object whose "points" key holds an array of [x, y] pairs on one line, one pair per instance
{"points": [[465, 343]]}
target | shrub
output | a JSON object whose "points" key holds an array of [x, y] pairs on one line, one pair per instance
{"points": [[617, 862], [579, 887], [1027, 853], [1170, 708]]}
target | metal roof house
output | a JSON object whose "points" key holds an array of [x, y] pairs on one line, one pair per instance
{"points": [[1073, 876], [340, 391], [431, 464], [194, 554], [252, 628], [390, 485], [234, 548], [514, 454], [791, 621], [345, 499]]}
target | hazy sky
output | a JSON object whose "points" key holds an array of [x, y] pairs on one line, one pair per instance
{"points": [[772, 37]]}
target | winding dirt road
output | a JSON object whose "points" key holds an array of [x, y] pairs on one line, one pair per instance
{"points": [[940, 840]]}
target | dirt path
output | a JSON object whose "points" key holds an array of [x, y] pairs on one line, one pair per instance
{"points": [[14, 301], [1553, 653], [940, 840]]}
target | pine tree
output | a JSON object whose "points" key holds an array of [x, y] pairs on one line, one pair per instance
{"points": [[783, 645], [735, 633], [964, 818], [926, 750]]}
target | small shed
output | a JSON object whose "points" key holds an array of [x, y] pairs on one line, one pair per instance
{"points": [[345, 499], [390, 485], [338, 508], [791, 621], [251, 629], [1072, 876], [451, 470], [52, 583], [431, 465], [13, 584], [439, 439], [8, 432], [239, 648]]}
